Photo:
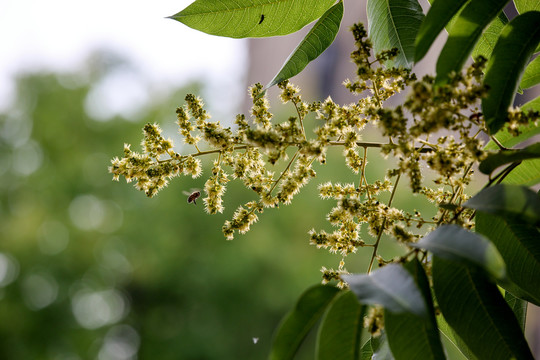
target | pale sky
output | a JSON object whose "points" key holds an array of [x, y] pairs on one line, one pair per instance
{"points": [[59, 34]]}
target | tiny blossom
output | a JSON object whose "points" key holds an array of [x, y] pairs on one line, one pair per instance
{"points": [[374, 321], [192, 167]]}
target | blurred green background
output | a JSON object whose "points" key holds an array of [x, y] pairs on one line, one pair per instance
{"points": [[92, 269]]}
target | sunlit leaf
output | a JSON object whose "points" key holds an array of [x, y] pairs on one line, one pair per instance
{"points": [[394, 24], [527, 5], [246, 18], [517, 202], [532, 105], [518, 306], [464, 34], [519, 245], [300, 320], [476, 310], [438, 16], [321, 35], [390, 286], [488, 39], [527, 174], [341, 328], [457, 244], [531, 76], [508, 140], [504, 157], [411, 336], [516, 44]]}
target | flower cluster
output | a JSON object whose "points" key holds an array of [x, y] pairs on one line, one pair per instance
{"points": [[435, 131]]}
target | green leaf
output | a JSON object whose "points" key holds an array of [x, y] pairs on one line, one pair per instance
{"points": [[341, 328], [455, 243], [519, 307], [394, 24], [380, 348], [519, 245], [531, 76], [438, 16], [532, 105], [489, 37], [296, 324], [450, 335], [503, 157], [526, 5], [516, 44], [476, 310], [248, 18], [366, 352], [508, 140], [527, 174], [464, 34], [411, 336], [511, 201], [390, 286], [319, 38]]}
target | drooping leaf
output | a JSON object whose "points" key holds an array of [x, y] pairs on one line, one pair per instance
{"points": [[380, 348], [297, 323], [248, 18], [411, 336], [518, 306], [511, 201], [527, 174], [508, 140], [464, 34], [527, 5], [450, 335], [438, 16], [476, 310], [394, 24], [532, 105], [504, 157], [516, 44], [390, 286], [519, 245], [321, 35], [531, 76], [488, 39], [366, 352], [341, 328], [457, 244]]}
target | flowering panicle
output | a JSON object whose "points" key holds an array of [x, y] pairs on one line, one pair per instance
{"points": [[433, 134]]}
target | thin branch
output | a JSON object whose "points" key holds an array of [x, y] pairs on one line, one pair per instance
{"points": [[376, 245]]}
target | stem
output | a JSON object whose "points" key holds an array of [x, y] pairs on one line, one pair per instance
{"points": [[363, 174], [501, 146], [301, 121], [376, 245], [283, 172]]}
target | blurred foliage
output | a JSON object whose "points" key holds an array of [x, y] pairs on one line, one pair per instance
{"points": [[92, 269]]}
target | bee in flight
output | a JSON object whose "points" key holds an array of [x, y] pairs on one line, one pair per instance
{"points": [[192, 196]]}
